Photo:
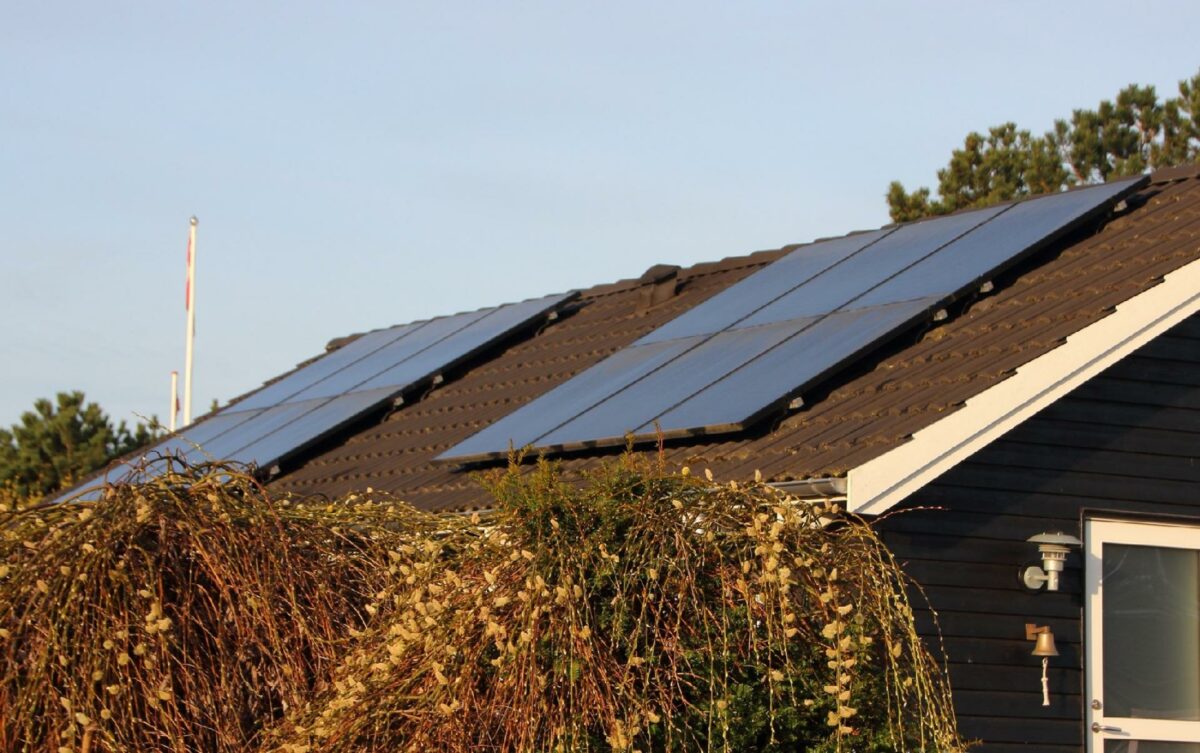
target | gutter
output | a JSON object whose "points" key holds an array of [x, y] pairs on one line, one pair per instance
{"points": [[829, 487]]}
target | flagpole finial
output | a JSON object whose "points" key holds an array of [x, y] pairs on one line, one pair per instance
{"points": [[194, 221]]}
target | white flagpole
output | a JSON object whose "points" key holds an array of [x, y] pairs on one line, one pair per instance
{"points": [[191, 323], [174, 412]]}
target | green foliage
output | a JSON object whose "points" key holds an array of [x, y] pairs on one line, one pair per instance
{"points": [[58, 443], [1127, 136], [637, 610]]}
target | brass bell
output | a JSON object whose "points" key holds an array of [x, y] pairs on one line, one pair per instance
{"points": [[1044, 637]]}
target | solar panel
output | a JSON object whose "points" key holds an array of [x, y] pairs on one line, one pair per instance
{"points": [[525, 425], [735, 303], [415, 341], [1022, 230], [639, 403], [310, 427], [325, 366], [743, 395], [363, 376], [843, 283], [90, 491], [260, 424], [456, 347], [741, 355], [364, 379], [151, 462]]}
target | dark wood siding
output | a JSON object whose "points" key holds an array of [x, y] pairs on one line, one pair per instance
{"points": [[1128, 441]]}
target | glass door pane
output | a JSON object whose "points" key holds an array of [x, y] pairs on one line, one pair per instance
{"points": [[1151, 652]]}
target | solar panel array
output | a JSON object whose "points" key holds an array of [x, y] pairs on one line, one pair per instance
{"points": [[748, 350], [365, 375]]}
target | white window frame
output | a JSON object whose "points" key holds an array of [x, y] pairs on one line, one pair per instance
{"points": [[1099, 727]]}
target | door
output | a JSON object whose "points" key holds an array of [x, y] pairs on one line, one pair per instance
{"points": [[1142, 617]]}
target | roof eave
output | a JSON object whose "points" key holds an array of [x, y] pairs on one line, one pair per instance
{"points": [[828, 487], [879, 484]]}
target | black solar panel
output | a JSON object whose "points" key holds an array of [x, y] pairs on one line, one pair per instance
{"points": [[618, 370], [325, 367], [848, 280], [744, 394], [622, 412], [419, 339], [309, 427], [388, 364], [745, 352], [996, 245], [734, 304], [262, 423], [365, 375]]}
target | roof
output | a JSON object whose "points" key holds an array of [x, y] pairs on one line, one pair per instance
{"points": [[860, 415]]}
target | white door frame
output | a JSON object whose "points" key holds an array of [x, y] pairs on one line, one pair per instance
{"points": [[1096, 532]]}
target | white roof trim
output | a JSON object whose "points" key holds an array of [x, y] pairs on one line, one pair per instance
{"points": [[877, 485]]}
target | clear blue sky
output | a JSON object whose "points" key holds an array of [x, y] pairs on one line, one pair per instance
{"points": [[356, 165]]}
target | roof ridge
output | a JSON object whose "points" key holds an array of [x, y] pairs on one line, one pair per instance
{"points": [[1179, 172]]}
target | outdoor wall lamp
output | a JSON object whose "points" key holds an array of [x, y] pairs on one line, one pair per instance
{"points": [[1053, 547], [1044, 648]]}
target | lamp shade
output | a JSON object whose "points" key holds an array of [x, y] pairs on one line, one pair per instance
{"points": [[1057, 538]]}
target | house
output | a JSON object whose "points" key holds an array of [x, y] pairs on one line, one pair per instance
{"points": [[1055, 388]]}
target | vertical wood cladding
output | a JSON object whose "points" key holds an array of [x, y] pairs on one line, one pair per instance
{"points": [[1126, 442]]}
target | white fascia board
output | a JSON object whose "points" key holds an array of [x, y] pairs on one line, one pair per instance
{"points": [[877, 485]]}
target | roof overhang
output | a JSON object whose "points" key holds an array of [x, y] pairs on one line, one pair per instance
{"points": [[832, 487], [879, 484]]}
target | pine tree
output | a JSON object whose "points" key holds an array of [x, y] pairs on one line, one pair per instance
{"points": [[58, 443], [1127, 136]]}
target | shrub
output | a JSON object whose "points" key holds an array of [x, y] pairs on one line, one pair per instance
{"points": [[181, 613], [637, 611]]}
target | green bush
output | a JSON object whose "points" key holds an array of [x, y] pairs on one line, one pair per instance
{"points": [[639, 610]]}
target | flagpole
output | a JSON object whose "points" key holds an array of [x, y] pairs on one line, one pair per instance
{"points": [[174, 412], [191, 323]]}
